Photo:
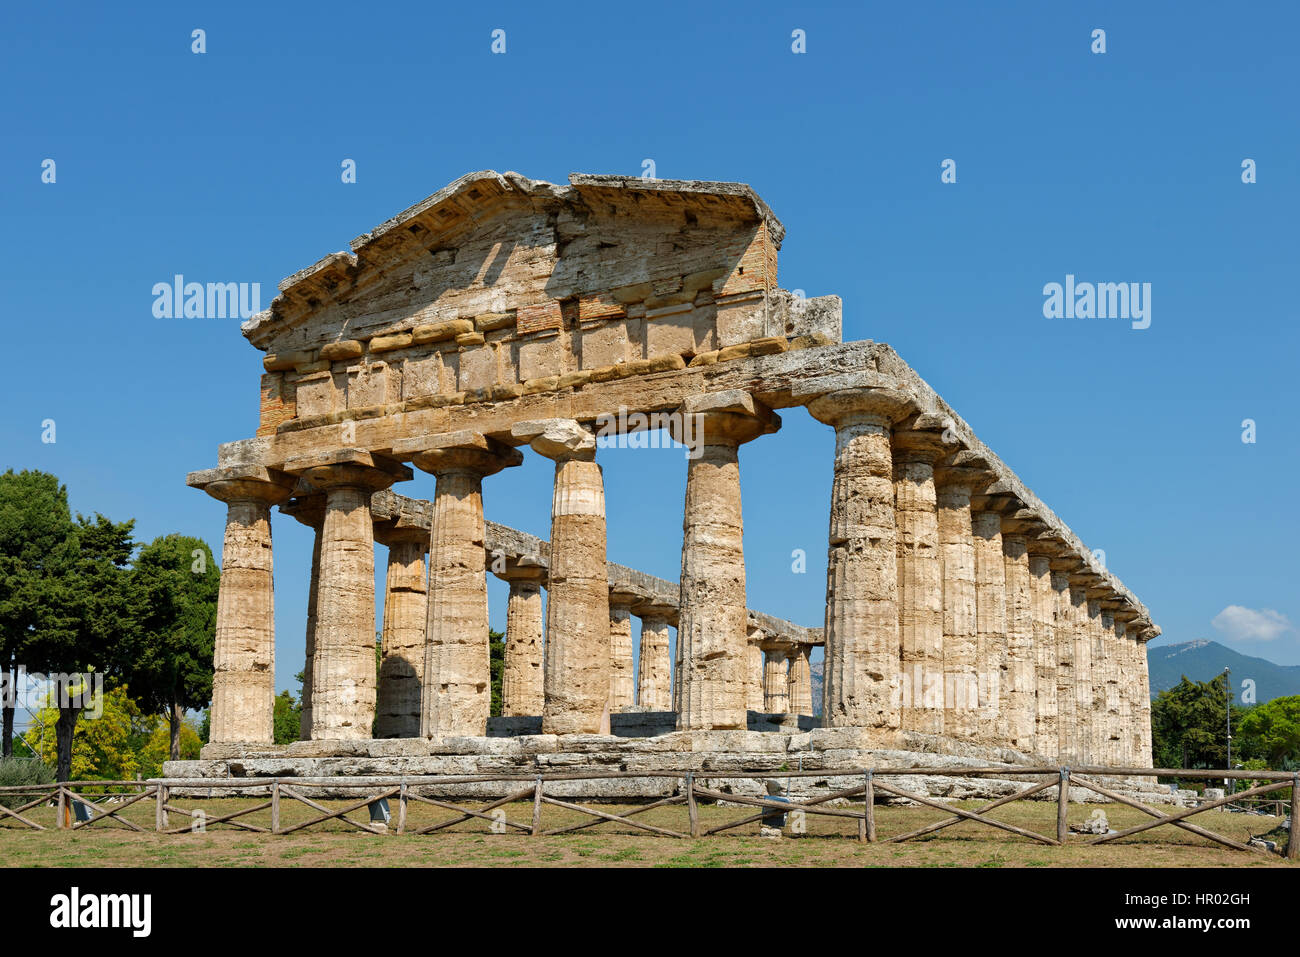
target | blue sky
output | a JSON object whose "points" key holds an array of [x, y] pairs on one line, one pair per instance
{"points": [[1115, 167]]}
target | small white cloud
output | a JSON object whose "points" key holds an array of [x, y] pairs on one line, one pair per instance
{"points": [[1247, 624]]}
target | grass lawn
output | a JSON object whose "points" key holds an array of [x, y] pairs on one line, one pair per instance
{"points": [[829, 842]]}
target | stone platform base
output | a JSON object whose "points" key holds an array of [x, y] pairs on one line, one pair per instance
{"points": [[709, 755]]}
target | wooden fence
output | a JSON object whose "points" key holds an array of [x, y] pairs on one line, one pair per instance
{"points": [[76, 809]]}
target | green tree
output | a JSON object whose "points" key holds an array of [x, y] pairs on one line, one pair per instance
{"points": [[287, 718], [34, 522], [1189, 724], [170, 666], [105, 747], [497, 664], [1270, 732], [86, 613], [157, 747]]}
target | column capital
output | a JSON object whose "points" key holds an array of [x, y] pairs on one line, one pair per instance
{"points": [[654, 607], [400, 530], [870, 406], [308, 510], [624, 595], [522, 568], [463, 451], [922, 440], [347, 468], [731, 417], [560, 439], [963, 473], [244, 483]]}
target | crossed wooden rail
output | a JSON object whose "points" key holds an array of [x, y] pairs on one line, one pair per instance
{"points": [[404, 789]]}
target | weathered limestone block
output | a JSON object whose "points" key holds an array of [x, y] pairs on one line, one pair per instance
{"points": [[457, 672], [955, 484], [343, 672], [577, 669], [991, 662], [401, 669], [654, 674], [521, 682], [1019, 710], [713, 624], [800, 680], [920, 578], [622, 677], [776, 690], [243, 681], [862, 676]]}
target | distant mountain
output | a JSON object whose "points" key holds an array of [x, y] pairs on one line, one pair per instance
{"points": [[1201, 660]]}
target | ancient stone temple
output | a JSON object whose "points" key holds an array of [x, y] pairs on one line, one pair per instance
{"points": [[503, 317]]}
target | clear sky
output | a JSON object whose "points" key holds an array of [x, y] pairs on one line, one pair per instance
{"points": [[1122, 166]]}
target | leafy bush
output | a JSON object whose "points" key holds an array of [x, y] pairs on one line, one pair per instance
{"points": [[22, 771]]}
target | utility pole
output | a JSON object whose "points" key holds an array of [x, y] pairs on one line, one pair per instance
{"points": [[1227, 683]]}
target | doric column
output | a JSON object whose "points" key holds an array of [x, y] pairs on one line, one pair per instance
{"points": [[521, 678], [862, 673], [955, 483], [1084, 709], [1143, 631], [920, 578], [457, 663], [1063, 641], [622, 673], [401, 668], [654, 671], [990, 620], [800, 681], [343, 675], [1101, 720], [576, 680], [776, 687], [1125, 753], [310, 511], [1043, 617], [754, 675], [1110, 689], [1021, 687], [714, 619], [243, 680]]}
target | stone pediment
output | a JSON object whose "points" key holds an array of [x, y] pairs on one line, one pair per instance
{"points": [[497, 281]]}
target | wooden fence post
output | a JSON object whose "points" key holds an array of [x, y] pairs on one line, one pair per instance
{"points": [[61, 819], [401, 809], [275, 807], [537, 807], [692, 810], [160, 808], [1062, 805], [1293, 839], [868, 830]]}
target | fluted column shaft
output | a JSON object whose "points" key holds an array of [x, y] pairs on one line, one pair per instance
{"points": [[991, 661], [754, 676], [1063, 643], [960, 642], [654, 674], [521, 681], [862, 672], [401, 669], [1125, 666], [1143, 702], [1043, 615], [309, 648], [776, 691], [713, 625], [1084, 708], [1021, 678], [800, 681], [920, 581], [243, 680], [1101, 721], [1110, 688], [622, 675]]}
